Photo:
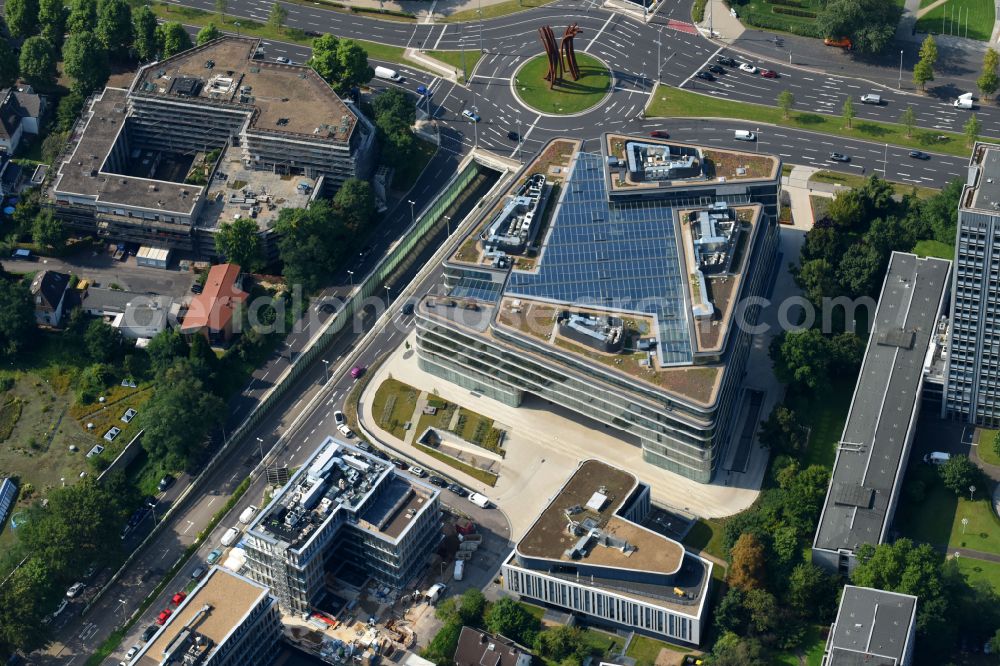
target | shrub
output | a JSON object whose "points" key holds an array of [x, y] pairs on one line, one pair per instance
{"points": [[777, 22], [698, 10], [794, 11]]}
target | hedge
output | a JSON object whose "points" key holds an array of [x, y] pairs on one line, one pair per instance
{"points": [[698, 10], [787, 3], [794, 11], [777, 22]]}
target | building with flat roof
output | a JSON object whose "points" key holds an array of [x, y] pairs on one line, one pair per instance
{"points": [[972, 374], [875, 445], [226, 620], [146, 161], [873, 628], [618, 299], [588, 553], [343, 508]]}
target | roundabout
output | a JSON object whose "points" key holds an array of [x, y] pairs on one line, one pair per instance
{"points": [[567, 97]]}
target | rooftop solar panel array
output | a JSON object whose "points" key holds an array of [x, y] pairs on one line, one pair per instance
{"points": [[622, 256]]}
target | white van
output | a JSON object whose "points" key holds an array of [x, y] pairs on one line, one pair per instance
{"points": [[459, 569], [387, 74], [248, 514], [871, 98], [480, 500], [229, 538], [434, 593], [744, 135], [937, 458]]}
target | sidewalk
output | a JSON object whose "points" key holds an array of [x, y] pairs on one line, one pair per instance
{"points": [[719, 23], [424, 10]]}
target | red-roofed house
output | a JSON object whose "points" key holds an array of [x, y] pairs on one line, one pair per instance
{"points": [[213, 311]]}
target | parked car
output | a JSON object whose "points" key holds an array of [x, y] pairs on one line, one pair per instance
{"points": [[839, 157], [438, 481], [919, 155], [400, 464], [726, 60], [339, 418], [214, 556], [197, 572], [660, 134], [165, 482], [717, 69], [707, 76], [842, 42], [513, 136], [364, 446], [178, 598], [164, 615], [769, 73], [149, 632], [74, 590], [458, 490], [197, 288], [132, 651], [283, 60], [417, 471], [471, 115], [748, 68]]}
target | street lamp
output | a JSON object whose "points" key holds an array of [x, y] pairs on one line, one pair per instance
{"points": [[900, 83], [972, 492], [121, 604], [260, 447], [481, 49], [351, 274], [965, 523], [448, 218], [152, 509], [413, 217], [326, 370], [475, 125], [756, 144], [388, 295], [659, 43]]}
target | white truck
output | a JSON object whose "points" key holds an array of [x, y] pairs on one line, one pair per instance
{"points": [[964, 101], [387, 74], [459, 569], [480, 500]]}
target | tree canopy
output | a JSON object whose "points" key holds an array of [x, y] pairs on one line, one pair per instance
{"points": [[147, 38], [958, 474], [52, 16], [85, 60], [341, 62], [48, 230], [178, 417], [870, 24], [38, 62], [394, 117], [509, 618], [82, 16], [207, 34], [114, 26], [172, 38], [239, 242], [17, 317], [22, 17]]}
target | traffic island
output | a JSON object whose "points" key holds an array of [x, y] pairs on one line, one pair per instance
{"points": [[567, 97]]}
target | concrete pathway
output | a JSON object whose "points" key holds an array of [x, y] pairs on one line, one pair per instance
{"points": [[719, 23], [928, 9], [905, 27]]}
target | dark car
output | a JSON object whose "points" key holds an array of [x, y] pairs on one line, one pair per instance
{"points": [[513, 136], [196, 288], [919, 155], [364, 446], [149, 632], [400, 464], [165, 482], [458, 490], [660, 134], [717, 69], [708, 76], [438, 481], [769, 73], [407, 308], [839, 157], [726, 60]]}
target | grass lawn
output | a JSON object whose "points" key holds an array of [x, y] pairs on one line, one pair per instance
{"points": [[706, 535], [765, 7], [933, 248], [820, 205], [493, 11], [824, 416], [455, 59], [645, 650], [985, 449], [200, 17], [952, 16], [569, 96], [853, 180], [407, 174], [983, 531], [979, 570], [393, 406], [674, 102], [813, 643]]}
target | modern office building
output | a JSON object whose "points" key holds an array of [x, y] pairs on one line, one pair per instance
{"points": [[875, 446], [873, 628], [588, 553], [227, 620], [204, 137], [343, 508], [623, 298], [972, 377]]}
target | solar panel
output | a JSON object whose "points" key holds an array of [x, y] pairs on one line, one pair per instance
{"points": [[620, 255]]}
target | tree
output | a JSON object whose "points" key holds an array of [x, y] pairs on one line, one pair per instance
{"points": [[341, 62], [847, 211], [817, 278], [52, 20], [147, 39], [870, 24], [812, 592], [995, 642], [114, 26], [471, 607], [747, 569], [732, 650], [222, 6], [908, 118], [101, 341], [988, 82], [38, 62], [958, 473], [85, 60], [69, 109], [848, 112], [508, 617], [731, 614], [861, 270], [82, 16], [165, 348], [178, 417], [25, 599], [561, 642], [971, 129], [846, 351], [782, 432], [8, 65], [394, 118], [22, 17], [312, 243], [276, 18], [207, 34], [800, 358], [441, 649], [923, 71], [762, 608], [172, 38], [785, 102], [355, 202], [886, 234], [239, 243], [824, 241], [93, 381], [48, 230], [17, 317]]}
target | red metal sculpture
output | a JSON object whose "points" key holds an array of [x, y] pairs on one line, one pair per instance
{"points": [[556, 53]]}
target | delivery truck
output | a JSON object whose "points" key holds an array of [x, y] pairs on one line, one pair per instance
{"points": [[387, 74]]}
